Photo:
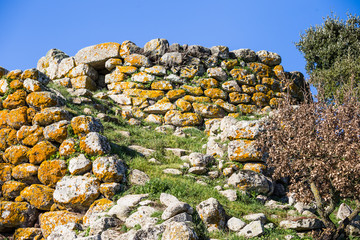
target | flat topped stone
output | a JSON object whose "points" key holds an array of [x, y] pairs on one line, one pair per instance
{"points": [[97, 55]]}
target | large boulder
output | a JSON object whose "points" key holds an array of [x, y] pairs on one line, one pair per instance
{"points": [[156, 47], [302, 224], [97, 55], [76, 192], [251, 181], [180, 231], [50, 220], [16, 215], [109, 169], [212, 213]]}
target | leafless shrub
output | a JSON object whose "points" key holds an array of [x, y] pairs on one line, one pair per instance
{"points": [[317, 145]]}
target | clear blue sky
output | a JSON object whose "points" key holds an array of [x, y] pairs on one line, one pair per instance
{"points": [[29, 28]]}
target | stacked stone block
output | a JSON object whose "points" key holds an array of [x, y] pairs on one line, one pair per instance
{"points": [[177, 85]]}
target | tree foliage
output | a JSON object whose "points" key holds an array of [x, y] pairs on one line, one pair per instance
{"points": [[318, 146], [332, 54]]}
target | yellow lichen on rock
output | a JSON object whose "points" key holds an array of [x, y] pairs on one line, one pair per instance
{"points": [[16, 214], [177, 118], [49, 220], [192, 99], [16, 118], [83, 82], [50, 172], [196, 91], [236, 97], [175, 94], [12, 189], [27, 234], [184, 106], [67, 147], [41, 99], [149, 94], [256, 167], [15, 100], [161, 85], [98, 206], [39, 196], [26, 173], [41, 151], [5, 172], [7, 138], [208, 83], [30, 135], [16, 154], [215, 93]]}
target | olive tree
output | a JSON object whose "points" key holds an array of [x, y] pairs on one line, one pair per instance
{"points": [[332, 54]]}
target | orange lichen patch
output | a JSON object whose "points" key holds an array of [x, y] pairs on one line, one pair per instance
{"points": [[27, 234], [118, 86], [30, 73], [234, 115], [3, 118], [274, 102], [26, 173], [271, 83], [56, 132], [196, 91], [126, 114], [50, 220], [236, 97], [109, 189], [30, 135], [142, 77], [261, 69], [160, 107], [175, 94], [50, 115], [190, 98], [256, 167], [126, 69], [16, 154], [189, 71], [270, 94], [41, 99], [83, 82], [239, 73], [7, 138], [137, 113], [31, 112], [94, 144], [156, 70], [177, 118], [137, 60], [39, 196], [215, 93], [98, 206], [12, 189], [127, 48], [138, 101], [260, 99], [14, 74], [229, 63], [85, 124], [115, 77], [41, 151], [208, 83], [65, 82], [50, 172], [17, 99], [184, 106], [248, 89], [67, 147], [261, 88], [228, 107], [16, 118], [5, 172], [149, 94], [161, 85], [243, 150], [208, 110], [279, 71], [16, 214], [247, 109], [16, 84]]}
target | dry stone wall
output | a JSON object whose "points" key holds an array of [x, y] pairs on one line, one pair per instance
{"points": [[177, 84]]}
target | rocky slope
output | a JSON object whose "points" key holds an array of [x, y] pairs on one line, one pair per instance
{"points": [[71, 167]]}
